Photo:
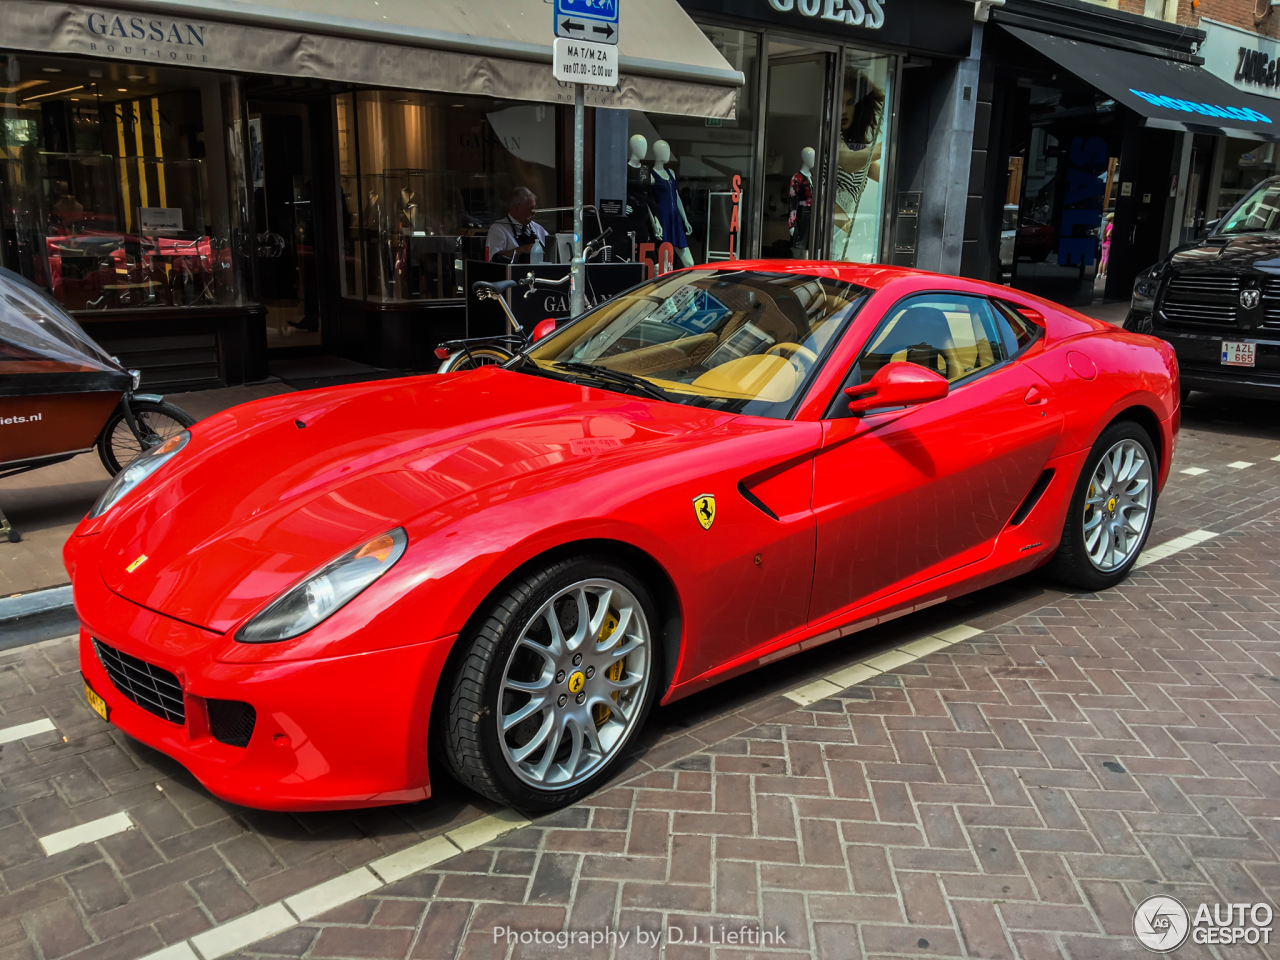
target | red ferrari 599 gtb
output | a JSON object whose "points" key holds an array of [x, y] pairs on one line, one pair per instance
{"points": [[301, 596]]}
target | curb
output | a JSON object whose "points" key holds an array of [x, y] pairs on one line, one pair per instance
{"points": [[40, 615]]}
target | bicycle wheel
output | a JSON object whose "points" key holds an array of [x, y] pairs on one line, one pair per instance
{"points": [[117, 445], [474, 358]]}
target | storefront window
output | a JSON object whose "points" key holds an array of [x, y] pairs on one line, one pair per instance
{"points": [[713, 162], [115, 186], [424, 175], [864, 131], [1245, 164]]}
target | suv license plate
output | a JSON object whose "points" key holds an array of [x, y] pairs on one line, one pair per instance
{"points": [[1237, 354]]}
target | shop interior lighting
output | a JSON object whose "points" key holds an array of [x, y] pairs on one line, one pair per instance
{"points": [[52, 93], [51, 69], [121, 90]]}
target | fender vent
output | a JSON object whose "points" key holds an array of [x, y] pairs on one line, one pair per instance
{"points": [[231, 721], [1037, 491], [755, 501]]}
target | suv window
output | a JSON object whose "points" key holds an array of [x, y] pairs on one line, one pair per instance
{"points": [[954, 335], [1260, 212]]}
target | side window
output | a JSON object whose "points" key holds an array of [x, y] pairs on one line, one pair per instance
{"points": [[954, 335], [1019, 332]]}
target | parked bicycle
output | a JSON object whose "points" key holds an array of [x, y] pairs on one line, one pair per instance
{"points": [[494, 351], [62, 395]]}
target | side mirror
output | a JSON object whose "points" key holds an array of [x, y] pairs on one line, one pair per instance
{"points": [[898, 384], [1208, 227], [544, 329]]}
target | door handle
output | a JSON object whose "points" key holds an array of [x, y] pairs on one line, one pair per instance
{"points": [[1035, 397]]}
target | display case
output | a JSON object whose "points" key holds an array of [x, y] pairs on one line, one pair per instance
{"points": [[410, 234], [103, 233]]}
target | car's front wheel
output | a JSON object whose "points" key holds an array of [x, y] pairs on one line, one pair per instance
{"points": [[1111, 510], [554, 684]]}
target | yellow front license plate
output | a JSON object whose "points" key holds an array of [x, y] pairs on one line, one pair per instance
{"points": [[99, 705]]}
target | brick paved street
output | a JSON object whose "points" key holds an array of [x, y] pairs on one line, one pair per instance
{"points": [[1012, 795]]}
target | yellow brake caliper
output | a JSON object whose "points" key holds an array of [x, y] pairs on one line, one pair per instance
{"points": [[600, 712]]}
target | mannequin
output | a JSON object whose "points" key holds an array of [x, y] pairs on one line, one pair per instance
{"points": [[666, 195], [640, 213], [800, 202]]}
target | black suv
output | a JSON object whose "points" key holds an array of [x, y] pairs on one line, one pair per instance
{"points": [[1218, 301]]}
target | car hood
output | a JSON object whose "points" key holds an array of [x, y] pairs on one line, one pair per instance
{"points": [[268, 492], [1260, 251]]}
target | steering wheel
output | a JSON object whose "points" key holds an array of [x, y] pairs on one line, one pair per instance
{"points": [[802, 355]]}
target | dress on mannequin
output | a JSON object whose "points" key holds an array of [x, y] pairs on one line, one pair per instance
{"points": [[640, 200], [800, 200], [665, 193]]}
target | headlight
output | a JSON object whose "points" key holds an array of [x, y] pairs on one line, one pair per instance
{"points": [[1146, 287], [142, 466], [326, 591]]}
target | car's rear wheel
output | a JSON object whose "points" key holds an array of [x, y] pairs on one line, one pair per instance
{"points": [[557, 679], [1111, 510]]}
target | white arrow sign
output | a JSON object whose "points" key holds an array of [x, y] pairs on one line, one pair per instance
{"points": [[577, 61]]}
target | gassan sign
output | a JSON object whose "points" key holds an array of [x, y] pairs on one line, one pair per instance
{"points": [[144, 37]]}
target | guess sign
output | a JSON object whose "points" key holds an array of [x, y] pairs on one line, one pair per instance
{"points": [[855, 13]]}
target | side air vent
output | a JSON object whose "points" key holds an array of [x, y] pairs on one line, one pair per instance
{"points": [[1037, 491], [231, 721], [755, 501]]}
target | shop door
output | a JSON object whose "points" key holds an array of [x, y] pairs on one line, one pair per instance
{"points": [[1067, 153], [280, 157], [797, 135]]}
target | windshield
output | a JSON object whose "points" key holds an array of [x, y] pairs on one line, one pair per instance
{"points": [[1258, 213], [736, 340]]}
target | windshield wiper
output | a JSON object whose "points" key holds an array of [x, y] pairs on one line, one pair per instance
{"points": [[617, 377]]}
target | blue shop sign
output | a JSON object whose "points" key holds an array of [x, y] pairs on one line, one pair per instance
{"points": [[1204, 109]]}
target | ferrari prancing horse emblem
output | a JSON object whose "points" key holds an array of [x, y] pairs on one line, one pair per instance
{"points": [[704, 507]]}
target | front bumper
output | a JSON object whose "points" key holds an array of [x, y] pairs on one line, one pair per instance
{"points": [[1200, 364], [335, 733]]}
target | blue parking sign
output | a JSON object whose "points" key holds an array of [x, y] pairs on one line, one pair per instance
{"points": [[593, 20]]}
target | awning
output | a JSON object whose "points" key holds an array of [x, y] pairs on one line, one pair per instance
{"points": [[1168, 93], [493, 48]]}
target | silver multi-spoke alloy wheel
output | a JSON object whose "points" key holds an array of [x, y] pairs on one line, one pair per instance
{"points": [[1117, 506], [574, 685]]}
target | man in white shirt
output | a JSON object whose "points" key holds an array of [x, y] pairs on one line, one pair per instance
{"points": [[516, 238]]}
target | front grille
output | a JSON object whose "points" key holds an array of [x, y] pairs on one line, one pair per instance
{"points": [[1202, 299], [153, 689], [231, 721], [1271, 304], [1193, 284], [1217, 314]]}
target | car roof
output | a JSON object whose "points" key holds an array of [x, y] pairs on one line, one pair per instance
{"points": [[873, 275]]}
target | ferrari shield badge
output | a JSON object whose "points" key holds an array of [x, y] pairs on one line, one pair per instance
{"points": [[704, 508], [142, 558]]}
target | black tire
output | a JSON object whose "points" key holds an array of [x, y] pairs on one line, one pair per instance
{"points": [[1072, 564], [472, 744], [475, 358], [116, 443]]}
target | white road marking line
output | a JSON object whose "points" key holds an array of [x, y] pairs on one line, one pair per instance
{"points": [[900, 656], [231, 936], [1277, 457], [812, 692], [1194, 471], [1169, 548], [332, 893], [402, 863], [179, 951], [479, 832], [280, 916], [22, 730], [1239, 464], [86, 833]]}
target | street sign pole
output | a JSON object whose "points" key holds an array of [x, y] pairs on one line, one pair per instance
{"points": [[577, 276], [586, 45]]}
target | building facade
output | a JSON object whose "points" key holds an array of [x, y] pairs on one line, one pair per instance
{"points": [[208, 188], [1110, 134]]}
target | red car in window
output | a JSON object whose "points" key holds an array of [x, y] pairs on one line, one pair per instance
{"points": [[300, 597]]}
